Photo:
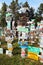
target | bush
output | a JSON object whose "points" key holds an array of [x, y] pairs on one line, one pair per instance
{"points": [[16, 51]]}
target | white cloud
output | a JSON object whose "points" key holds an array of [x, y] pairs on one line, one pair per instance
{"points": [[0, 5]]}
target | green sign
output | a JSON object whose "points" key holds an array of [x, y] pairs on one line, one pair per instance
{"points": [[0, 32], [22, 29], [8, 14], [8, 24], [33, 49], [32, 19]]}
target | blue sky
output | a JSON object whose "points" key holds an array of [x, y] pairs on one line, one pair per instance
{"points": [[32, 3]]}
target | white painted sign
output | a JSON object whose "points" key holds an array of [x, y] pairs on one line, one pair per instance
{"points": [[1, 50], [41, 40], [8, 52], [9, 45]]}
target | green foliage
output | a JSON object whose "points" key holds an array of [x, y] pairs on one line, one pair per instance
{"points": [[31, 13], [41, 7], [4, 8], [3, 22], [17, 60], [26, 4], [3, 15]]}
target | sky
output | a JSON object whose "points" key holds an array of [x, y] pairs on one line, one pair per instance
{"points": [[32, 3]]}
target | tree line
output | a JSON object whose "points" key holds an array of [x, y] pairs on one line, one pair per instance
{"points": [[14, 6]]}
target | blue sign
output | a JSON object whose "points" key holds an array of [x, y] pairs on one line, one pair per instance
{"points": [[24, 46], [23, 43]]}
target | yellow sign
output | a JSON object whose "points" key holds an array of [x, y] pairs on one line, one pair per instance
{"points": [[32, 56], [9, 45], [10, 49]]}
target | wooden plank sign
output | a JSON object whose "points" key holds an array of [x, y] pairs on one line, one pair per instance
{"points": [[1, 50], [22, 29], [33, 49], [32, 56]]}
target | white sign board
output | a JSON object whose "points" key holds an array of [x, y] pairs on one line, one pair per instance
{"points": [[8, 52], [9, 45]]}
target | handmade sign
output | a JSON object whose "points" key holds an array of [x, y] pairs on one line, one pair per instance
{"points": [[9, 45], [1, 50], [24, 46], [0, 43], [8, 25], [23, 29], [32, 56], [32, 28], [9, 53], [8, 14], [41, 40], [19, 42], [34, 50], [23, 53], [22, 43]]}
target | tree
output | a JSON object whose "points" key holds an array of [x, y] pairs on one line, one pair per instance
{"points": [[40, 9], [4, 8], [14, 6], [38, 14], [3, 22], [26, 4], [3, 16], [31, 13]]}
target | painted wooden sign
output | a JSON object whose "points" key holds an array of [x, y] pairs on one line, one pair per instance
{"points": [[1, 50], [33, 49], [22, 29], [32, 56]]}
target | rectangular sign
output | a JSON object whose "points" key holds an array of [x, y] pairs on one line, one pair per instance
{"points": [[1, 50], [8, 52], [22, 29], [33, 49], [32, 56], [8, 25], [9, 46]]}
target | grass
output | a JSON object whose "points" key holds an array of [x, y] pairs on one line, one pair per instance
{"points": [[17, 60]]}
